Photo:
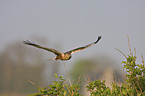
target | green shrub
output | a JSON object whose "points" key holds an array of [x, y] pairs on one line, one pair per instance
{"points": [[134, 84], [58, 88]]}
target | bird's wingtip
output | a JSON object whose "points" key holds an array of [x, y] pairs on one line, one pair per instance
{"points": [[99, 37]]}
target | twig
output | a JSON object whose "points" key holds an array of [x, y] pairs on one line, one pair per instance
{"points": [[33, 83], [95, 76], [142, 60], [121, 91], [89, 78], [129, 45], [113, 76], [139, 86], [68, 90], [79, 79], [135, 52], [121, 52], [135, 86], [67, 74], [68, 79], [143, 65], [86, 78]]}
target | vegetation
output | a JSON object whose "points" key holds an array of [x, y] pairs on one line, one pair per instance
{"points": [[58, 88], [134, 84]]}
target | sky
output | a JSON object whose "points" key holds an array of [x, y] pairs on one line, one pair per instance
{"points": [[75, 23]]}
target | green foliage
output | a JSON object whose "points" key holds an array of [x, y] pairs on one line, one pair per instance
{"points": [[135, 74], [97, 88], [58, 88], [134, 84]]}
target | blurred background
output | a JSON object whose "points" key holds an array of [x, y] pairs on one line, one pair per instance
{"points": [[65, 25]]}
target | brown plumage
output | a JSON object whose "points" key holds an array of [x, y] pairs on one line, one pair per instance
{"points": [[62, 56]]}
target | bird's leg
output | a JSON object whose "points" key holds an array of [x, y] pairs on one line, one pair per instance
{"points": [[51, 58]]}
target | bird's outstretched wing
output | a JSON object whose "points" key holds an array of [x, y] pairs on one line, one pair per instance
{"points": [[38, 46], [84, 47]]}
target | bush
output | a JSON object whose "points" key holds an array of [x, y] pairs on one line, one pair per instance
{"points": [[134, 84], [58, 88]]}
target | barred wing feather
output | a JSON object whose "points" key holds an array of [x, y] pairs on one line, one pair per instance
{"points": [[84, 47], [38, 46]]}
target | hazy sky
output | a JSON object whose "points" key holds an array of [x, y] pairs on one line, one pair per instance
{"points": [[74, 23]]}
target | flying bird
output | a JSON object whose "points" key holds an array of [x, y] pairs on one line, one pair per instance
{"points": [[59, 55]]}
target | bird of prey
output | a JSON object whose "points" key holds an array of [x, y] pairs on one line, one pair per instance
{"points": [[59, 55]]}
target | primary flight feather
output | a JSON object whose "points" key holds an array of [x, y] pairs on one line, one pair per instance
{"points": [[62, 56]]}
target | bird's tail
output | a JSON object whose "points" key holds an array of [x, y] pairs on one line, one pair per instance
{"points": [[51, 58]]}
